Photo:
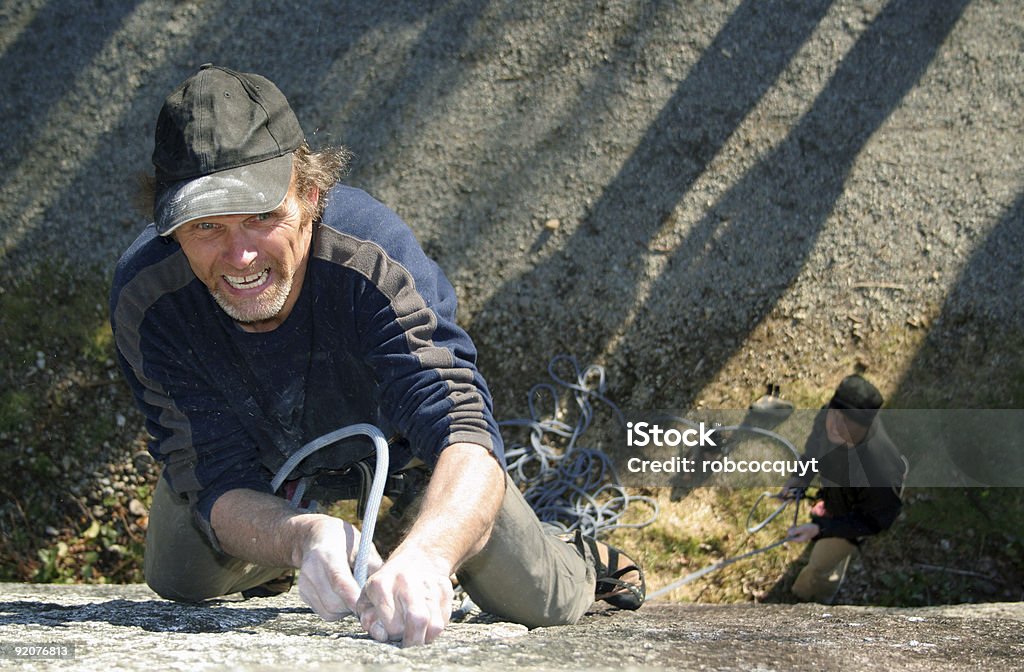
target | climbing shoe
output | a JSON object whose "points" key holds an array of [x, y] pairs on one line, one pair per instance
{"points": [[620, 581]]}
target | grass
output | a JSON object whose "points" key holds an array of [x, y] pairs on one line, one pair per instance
{"points": [[949, 545]]}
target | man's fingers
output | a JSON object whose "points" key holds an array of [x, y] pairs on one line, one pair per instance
{"points": [[352, 538], [378, 595], [441, 612], [327, 586], [372, 625], [422, 620], [427, 614], [396, 610], [315, 591], [417, 618], [801, 533], [344, 586], [375, 561]]}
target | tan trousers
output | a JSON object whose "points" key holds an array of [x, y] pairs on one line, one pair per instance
{"points": [[524, 574], [820, 580]]}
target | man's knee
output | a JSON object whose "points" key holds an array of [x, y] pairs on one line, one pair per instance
{"points": [[176, 589]]}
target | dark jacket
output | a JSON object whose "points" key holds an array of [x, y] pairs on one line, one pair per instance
{"points": [[372, 338], [860, 485]]}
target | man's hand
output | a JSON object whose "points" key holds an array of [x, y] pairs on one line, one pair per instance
{"points": [[409, 600], [266, 530], [792, 489], [410, 597], [802, 533], [325, 575]]}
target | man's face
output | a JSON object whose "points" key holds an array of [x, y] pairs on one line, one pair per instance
{"points": [[253, 265], [842, 430]]}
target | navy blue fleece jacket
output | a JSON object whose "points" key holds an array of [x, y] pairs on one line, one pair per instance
{"points": [[372, 338]]}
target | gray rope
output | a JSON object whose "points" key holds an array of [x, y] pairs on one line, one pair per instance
{"points": [[757, 527], [693, 576], [380, 476], [568, 485], [711, 568]]}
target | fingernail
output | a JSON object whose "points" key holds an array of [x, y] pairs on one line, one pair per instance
{"points": [[378, 632]]}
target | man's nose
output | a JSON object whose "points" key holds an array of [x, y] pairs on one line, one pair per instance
{"points": [[240, 251]]}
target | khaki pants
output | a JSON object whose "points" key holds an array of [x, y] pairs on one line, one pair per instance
{"points": [[820, 580], [524, 574]]}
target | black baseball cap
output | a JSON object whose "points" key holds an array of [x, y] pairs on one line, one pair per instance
{"points": [[224, 143], [857, 399]]}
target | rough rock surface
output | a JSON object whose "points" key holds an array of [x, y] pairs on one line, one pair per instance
{"points": [[742, 189], [130, 628]]}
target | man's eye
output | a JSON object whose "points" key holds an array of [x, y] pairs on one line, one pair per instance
{"points": [[263, 216], [205, 226]]}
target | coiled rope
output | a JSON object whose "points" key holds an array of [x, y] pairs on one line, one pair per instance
{"points": [[570, 486]]}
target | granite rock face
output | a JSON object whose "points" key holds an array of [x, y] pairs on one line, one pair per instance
{"points": [[130, 628]]}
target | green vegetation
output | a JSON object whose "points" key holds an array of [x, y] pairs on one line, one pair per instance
{"points": [[953, 545], [60, 398]]}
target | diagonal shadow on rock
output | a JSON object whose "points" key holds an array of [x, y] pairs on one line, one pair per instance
{"points": [[699, 310], [734, 72], [56, 45], [974, 337], [771, 238], [973, 325]]}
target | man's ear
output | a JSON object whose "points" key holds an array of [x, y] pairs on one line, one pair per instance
{"points": [[313, 195]]}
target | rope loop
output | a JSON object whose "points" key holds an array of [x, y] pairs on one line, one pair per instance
{"points": [[570, 486]]}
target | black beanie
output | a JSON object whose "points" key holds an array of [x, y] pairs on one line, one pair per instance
{"points": [[857, 399]]}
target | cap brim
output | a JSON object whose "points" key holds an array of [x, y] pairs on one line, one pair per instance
{"points": [[246, 190]]}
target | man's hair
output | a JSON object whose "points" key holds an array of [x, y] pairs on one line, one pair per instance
{"points": [[322, 169]]}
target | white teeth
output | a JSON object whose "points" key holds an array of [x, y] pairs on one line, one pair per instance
{"points": [[248, 281]]}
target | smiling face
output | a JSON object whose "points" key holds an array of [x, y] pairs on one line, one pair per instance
{"points": [[253, 265]]}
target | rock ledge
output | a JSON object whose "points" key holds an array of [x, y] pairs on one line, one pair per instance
{"points": [[130, 628]]}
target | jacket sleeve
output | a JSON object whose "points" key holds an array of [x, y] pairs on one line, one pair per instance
{"points": [[812, 450], [424, 363]]}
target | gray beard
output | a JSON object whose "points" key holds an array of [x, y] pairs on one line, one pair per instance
{"points": [[266, 307]]}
